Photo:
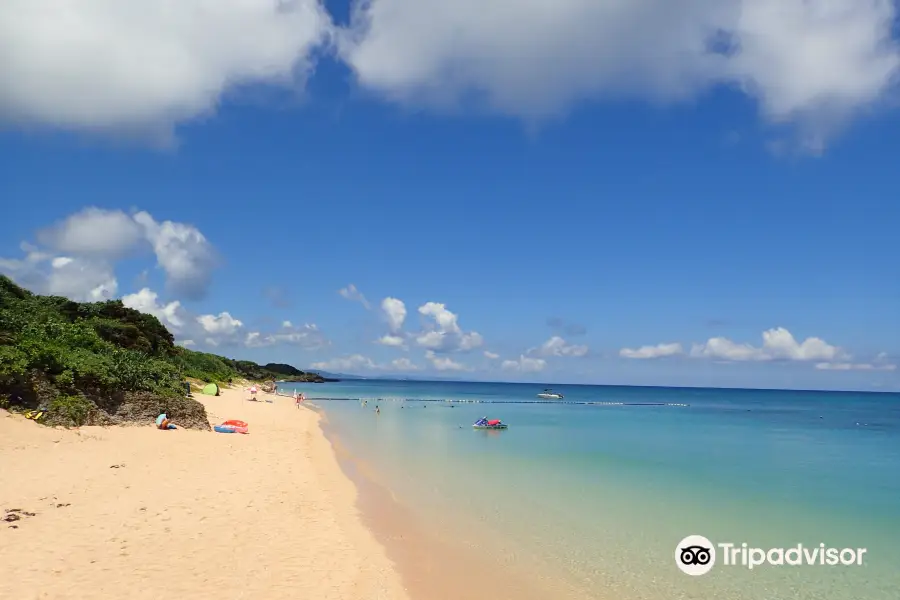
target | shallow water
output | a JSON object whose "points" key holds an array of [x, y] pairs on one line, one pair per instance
{"points": [[601, 495]]}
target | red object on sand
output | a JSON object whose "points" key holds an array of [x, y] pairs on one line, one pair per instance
{"points": [[235, 422], [223, 428]]}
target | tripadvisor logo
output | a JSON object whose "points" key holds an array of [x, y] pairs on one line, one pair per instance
{"points": [[696, 555]]}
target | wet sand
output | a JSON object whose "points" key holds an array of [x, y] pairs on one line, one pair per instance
{"points": [[443, 565]]}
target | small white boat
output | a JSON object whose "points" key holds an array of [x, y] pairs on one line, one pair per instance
{"points": [[549, 394]]}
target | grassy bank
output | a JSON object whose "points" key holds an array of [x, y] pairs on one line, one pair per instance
{"points": [[102, 363], [215, 368]]}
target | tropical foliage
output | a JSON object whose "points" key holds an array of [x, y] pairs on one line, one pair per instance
{"points": [[81, 362]]}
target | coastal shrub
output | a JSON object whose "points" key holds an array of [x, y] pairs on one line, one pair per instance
{"points": [[135, 333], [90, 369], [13, 361], [103, 363], [122, 335], [203, 366], [69, 411], [65, 380], [136, 371]]}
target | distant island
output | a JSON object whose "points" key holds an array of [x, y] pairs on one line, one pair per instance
{"points": [[276, 371], [334, 376], [102, 363]]}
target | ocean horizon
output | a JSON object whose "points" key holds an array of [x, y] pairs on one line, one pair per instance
{"points": [[598, 496], [344, 377]]}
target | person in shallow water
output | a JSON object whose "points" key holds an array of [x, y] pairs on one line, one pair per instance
{"points": [[377, 410]]}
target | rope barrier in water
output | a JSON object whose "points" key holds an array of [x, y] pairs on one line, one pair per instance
{"points": [[466, 401]]}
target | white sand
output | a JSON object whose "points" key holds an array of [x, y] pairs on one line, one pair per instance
{"points": [[188, 514]]}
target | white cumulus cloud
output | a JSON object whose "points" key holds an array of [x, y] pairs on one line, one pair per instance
{"points": [[657, 351], [395, 313], [222, 324], [170, 314], [524, 364], [354, 362], [812, 62], [222, 329], [404, 364], [308, 337], [183, 252], [847, 366], [79, 279], [491, 355], [442, 332], [104, 234], [394, 341], [140, 67], [557, 346], [444, 363], [354, 295], [358, 362], [91, 240], [778, 344]]}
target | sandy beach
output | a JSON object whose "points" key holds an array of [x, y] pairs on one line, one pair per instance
{"points": [[141, 513]]}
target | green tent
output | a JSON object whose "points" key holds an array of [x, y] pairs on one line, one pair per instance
{"points": [[211, 389]]}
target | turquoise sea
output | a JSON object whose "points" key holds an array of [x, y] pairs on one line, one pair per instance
{"points": [[600, 495]]}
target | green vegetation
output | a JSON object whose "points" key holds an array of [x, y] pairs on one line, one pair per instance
{"points": [[218, 369], [72, 410], [103, 363]]}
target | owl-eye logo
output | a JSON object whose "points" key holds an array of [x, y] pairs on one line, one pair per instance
{"points": [[695, 555]]}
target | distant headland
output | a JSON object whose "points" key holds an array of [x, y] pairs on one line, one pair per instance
{"points": [[101, 363]]}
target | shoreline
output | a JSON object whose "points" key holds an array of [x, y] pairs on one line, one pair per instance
{"points": [[434, 562], [432, 568], [142, 513]]}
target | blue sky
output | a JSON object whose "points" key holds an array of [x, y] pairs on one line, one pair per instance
{"points": [[580, 223]]}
